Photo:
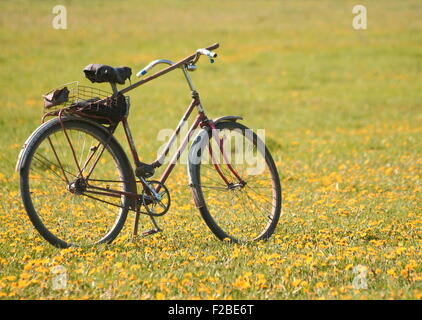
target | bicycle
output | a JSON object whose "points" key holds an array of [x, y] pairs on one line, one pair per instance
{"points": [[78, 185]]}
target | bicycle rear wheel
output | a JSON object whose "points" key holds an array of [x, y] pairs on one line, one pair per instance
{"points": [[232, 211], [75, 183]]}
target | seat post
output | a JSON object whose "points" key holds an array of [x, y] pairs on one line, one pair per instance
{"points": [[114, 88]]}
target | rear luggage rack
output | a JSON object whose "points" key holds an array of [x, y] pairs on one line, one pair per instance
{"points": [[85, 101]]}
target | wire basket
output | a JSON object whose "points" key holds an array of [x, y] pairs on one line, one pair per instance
{"points": [[85, 101]]}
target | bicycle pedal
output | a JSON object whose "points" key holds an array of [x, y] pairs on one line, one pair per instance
{"points": [[149, 232]]}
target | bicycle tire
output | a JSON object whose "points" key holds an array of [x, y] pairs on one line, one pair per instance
{"points": [[113, 147]]}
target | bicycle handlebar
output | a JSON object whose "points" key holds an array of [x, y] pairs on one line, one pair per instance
{"points": [[204, 51], [151, 65]]}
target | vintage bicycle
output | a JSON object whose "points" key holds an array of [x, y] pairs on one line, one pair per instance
{"points": [[78, 185]]}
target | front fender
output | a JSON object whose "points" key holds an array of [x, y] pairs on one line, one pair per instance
{"points": [[227, 118]]}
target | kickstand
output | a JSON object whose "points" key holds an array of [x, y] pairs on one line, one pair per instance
{"points": [[146, 232], [135, 224]]}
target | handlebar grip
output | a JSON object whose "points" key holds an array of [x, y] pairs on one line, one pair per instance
{"points": [[207, 53]]}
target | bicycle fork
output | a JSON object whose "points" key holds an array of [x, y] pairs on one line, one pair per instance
{"points": [[220, 142]]}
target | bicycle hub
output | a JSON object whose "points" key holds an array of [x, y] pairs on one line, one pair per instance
{"points": [[77, 187]]}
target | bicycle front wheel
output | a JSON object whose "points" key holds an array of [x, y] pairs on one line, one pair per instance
{"points": [[233, 210], [76, 184]]}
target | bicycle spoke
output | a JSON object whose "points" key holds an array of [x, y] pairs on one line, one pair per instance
{"points": [[98, 158], [259, 194], [257, 206], [214, 187], [47, 167], [257, 222], [66, 171]]}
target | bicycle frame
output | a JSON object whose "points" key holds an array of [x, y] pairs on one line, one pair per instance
{"points": [[94, 166]]}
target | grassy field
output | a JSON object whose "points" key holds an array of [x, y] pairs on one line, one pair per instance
{"points": [[342, 111]]}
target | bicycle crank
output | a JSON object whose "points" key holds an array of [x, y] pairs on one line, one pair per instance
{"points": [[155, 198]]}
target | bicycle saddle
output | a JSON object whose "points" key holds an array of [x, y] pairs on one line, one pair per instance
{"points": [[103, 73]]}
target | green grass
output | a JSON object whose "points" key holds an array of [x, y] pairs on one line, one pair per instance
{"points": [[342, 111]]}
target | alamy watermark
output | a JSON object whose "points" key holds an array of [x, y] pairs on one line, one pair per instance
{"points": [[359, 21], [60, 19], [59, 280], [360, 281]]}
